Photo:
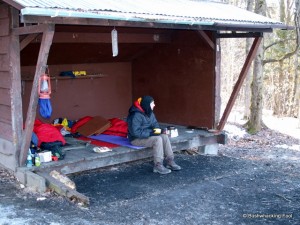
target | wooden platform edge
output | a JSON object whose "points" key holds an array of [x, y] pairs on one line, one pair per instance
{"points": [[63, 190]]}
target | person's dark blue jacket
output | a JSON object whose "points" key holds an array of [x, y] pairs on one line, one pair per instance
{"points": [[140, 125]]}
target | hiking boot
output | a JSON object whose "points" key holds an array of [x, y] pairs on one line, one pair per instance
{"points": [[173, 166], [159, 168]]}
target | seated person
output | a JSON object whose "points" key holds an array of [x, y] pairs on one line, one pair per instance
{"points": [[142, 131]]}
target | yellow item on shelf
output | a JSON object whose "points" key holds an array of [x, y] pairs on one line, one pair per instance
{"points": [[79, 73], [65, 122]]}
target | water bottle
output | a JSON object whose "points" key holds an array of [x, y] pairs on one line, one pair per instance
{"points": [[29, 159], [37, 160]]}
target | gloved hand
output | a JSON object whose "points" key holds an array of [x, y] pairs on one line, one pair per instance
{"points": [[155, 132]]}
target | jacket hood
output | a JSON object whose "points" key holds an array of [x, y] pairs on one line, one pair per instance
{"points": [[145, 104]]}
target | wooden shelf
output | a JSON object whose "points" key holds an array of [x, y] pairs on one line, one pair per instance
{"points": [[90, 76]]}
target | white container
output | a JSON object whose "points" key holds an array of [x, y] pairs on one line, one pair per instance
{"points": [[45, 156], [174, 133]]}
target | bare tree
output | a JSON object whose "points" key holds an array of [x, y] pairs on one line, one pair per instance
{"points": [[280, 54], [247, 89], [255, 122], [297, 78]]}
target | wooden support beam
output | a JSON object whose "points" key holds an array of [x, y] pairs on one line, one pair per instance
{"points": [[26, 41], [16, 97], [33, 29], [239, 35], [238, 85], [40, 69], [206, 38], [71, 37], [217, 84]]}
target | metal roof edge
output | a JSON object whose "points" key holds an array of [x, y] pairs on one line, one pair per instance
{"points": [[258, 26], [66, 13], [71, 13]]}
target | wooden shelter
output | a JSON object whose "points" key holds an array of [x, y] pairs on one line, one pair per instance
{"points": [[171, 54]]}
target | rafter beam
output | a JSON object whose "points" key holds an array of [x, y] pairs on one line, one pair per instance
{"points": [[205, 37], [27, 40], [239, 35], [33, 29], [72, 37]]}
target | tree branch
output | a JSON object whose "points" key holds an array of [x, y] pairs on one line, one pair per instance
{"points": [[278, 42], [288, 55]]}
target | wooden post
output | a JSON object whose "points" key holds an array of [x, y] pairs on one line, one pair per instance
{"points": [[40, 69], [217, 86], [16, 98], [238, 85]]}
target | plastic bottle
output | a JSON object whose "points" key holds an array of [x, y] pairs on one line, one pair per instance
{"points": [[37, 160], [33, 151], [29, 159]]}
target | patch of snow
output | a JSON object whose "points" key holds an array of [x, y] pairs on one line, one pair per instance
{"points": [[292, 147], [234, 132], [285, 125], [41, 199]]}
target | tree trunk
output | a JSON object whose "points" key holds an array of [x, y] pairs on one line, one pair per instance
{"points": [[255, 123], [279, 95], [297, 77], [247, 90]]}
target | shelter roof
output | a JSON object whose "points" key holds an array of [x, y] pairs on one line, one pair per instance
{"points": [[216, 15]]}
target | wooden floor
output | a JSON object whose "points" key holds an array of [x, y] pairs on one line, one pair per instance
{"points": [[79, 157]]}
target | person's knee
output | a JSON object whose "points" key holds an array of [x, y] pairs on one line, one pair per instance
{"points": [[157, 140], [164, 136]]}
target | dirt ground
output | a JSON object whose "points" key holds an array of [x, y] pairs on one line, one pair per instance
{"points": [[254, 180]]}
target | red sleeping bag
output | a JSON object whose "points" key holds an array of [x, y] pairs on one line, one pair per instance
{"points": [[118, 128], [47, 133]]}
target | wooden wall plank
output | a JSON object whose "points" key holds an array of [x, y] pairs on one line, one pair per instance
{"points": [[181, 80], [5, 96], [5, 79], [5, 113], [4, 27], [6, 131], [4, 62], [3, 11], [4, 44]]}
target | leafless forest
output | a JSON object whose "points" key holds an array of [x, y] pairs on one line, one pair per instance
{"points": [[280, 62]]}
